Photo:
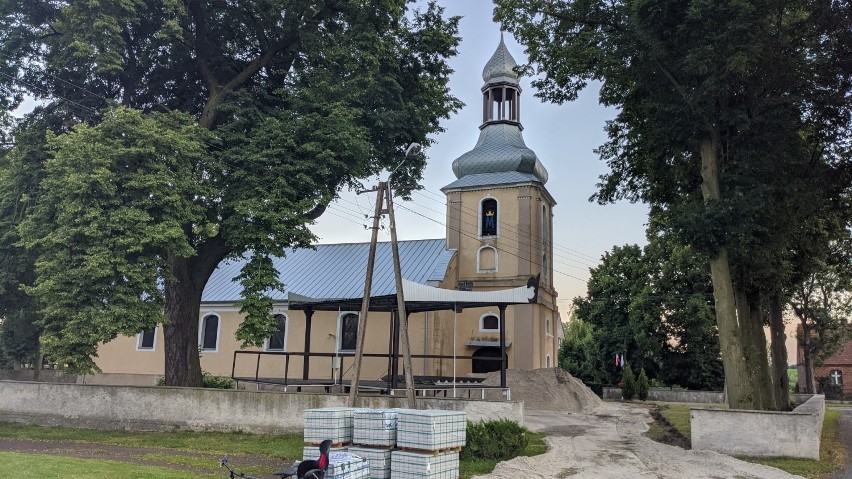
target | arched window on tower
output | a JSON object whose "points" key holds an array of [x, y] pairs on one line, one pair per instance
{"points": [[488, 214], [486, 261]]}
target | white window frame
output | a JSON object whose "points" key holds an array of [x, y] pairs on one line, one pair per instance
{"points": [[482, 320], [479, 217], [496, 260], [201, 331], [139, 341], [286, 333], [831, 378], [339, 332]]}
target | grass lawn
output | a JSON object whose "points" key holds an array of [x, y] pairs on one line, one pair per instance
{"points": [[832, 452], [38, 466], [287, 447]]}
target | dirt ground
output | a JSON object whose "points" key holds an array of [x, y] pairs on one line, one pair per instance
{"points": [[140, 455], [608, 443]]}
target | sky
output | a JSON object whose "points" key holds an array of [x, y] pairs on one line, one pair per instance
{"points": [[564, 138]]}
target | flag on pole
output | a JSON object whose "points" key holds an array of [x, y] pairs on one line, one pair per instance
{"points": [[623, 361], [617, 359]]}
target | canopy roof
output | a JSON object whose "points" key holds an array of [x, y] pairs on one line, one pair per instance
{"points": [[420, 297]]}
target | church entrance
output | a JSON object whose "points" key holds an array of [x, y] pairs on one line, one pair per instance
{"points": [[485, 360]]}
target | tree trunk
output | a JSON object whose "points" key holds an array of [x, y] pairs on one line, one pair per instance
{"points": [[754, 343], [781, 383], [736, 377], [807, 359], [183, 302]]}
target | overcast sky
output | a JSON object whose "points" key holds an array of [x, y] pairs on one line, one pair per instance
{"points": [[563, 137]]}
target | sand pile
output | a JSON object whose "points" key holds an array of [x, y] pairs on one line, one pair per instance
{"points": [[548, 389]]}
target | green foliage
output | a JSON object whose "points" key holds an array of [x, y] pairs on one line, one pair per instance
{"points": [[18, 340], [729, 126], [832, 391], [652, 304], [628, 387], [578, 351], [126, 184], [274, 106], [207, 380], [499, 439], [642, 386]]}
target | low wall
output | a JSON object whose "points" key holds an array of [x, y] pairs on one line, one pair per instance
{"points": [[197, 409], [698, 397], [760, 433], [668, 395]]}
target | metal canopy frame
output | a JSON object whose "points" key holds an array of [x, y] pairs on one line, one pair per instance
{"points": [[423, 298]]}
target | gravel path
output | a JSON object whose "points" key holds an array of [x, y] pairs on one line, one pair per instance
{"points": [[608, 443], [845, 426]]}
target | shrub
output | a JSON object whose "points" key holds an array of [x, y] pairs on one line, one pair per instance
{"points": [[831, 391], [208, 381], [642, 386], [628, 391], [499, 439]]}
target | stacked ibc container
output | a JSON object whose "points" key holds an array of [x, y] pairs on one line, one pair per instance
{"points": [[374, 436], [334, 424], [430, 442]]}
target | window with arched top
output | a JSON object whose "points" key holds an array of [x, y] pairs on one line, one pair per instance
{"points": [[544, 221], [278, 341], [544, 268], [548, 327], [348, 332], [209, 333], [547, 361], [489, 322], [486, 259], [488, 217]]}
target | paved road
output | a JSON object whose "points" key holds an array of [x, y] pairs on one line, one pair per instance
{"points": [[845, 427], [608, 443]]}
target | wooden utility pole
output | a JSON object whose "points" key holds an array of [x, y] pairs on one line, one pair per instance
{"points": [[383, 189], [365, 301], [403, 316]]}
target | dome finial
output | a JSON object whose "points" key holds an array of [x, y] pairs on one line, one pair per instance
{"points": [[501, 66]]}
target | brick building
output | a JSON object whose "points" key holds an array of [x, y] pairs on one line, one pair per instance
{"points": [[837, 368]]}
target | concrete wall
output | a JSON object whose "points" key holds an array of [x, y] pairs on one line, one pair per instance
{"points": [[760, 433], [667, 395], [164, 408]]}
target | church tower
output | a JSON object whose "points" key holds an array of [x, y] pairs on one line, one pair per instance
{"points": [[499, 220]]}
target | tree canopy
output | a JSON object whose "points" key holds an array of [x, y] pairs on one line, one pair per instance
{"points": [[652, 305], [198, 131], [733, 120]]}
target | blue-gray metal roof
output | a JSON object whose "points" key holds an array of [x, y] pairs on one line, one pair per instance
{"points": [[492, 179], [500, 148], [501, 66], [338, 270]]}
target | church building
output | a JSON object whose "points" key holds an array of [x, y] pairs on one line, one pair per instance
{"points": [[499, 218]]}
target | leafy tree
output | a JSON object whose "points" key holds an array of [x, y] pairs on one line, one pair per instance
{"points": [[616, 306], [716, 100], [629, 386], [238, 123], [642, 386], [823, 306], [653, 305], [578, 353]]}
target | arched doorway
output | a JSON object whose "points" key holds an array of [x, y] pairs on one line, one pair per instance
{"points": [[481, 365]]}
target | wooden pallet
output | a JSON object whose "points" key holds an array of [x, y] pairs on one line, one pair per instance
{"points": [[334, 445], [431, 452]]}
